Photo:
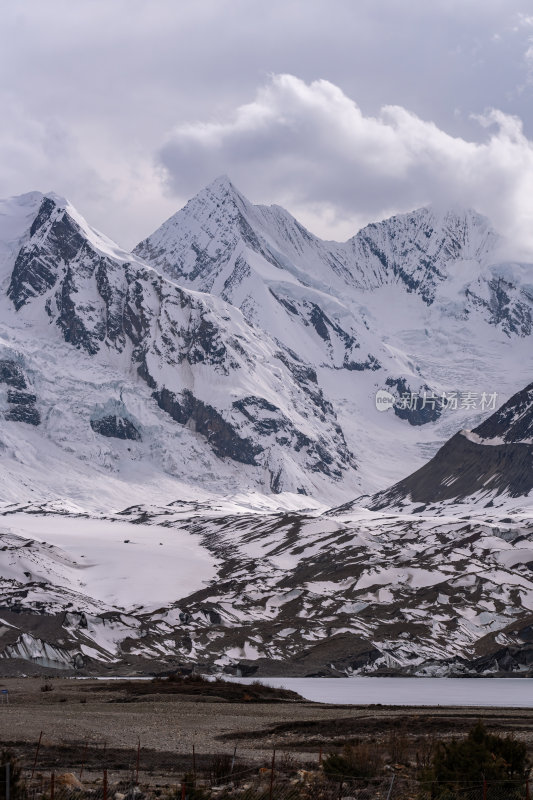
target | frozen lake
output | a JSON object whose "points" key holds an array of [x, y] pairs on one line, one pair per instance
{"points": [[496, 692]]}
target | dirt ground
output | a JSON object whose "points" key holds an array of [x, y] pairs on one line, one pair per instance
{"points": [[99, 725]]}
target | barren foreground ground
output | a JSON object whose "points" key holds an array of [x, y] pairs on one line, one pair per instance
{"points": [[100, 725]]}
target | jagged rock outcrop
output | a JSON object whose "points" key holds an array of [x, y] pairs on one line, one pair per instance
{"points": [[116, 427]]}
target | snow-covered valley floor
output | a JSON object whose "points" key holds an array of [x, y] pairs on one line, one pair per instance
{"points": [[259, 587]]}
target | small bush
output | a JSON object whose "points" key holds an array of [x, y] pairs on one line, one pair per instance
{"points": [[398, 747], [220, 767], [47, 687], [481, 755], [355, 761]]}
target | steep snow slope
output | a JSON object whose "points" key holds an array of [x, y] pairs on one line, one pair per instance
{"points": [[114, 363], [417, 304]]}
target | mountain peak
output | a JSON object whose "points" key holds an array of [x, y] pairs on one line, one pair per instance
{"points": [[221, 183], [220, 191]]}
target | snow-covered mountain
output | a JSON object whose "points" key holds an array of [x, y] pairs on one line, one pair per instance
{"points": [[420, 304], [249, 354], [118, 363], [198, 405]]}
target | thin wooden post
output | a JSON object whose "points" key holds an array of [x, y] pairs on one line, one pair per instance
{"points": [[138, 759], [272, 774], [233, 760], [83, 759], [36, 755], [183, 791], [52, 786], [105, 786]]}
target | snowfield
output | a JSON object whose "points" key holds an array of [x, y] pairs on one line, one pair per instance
{"points": [[129, 567]]}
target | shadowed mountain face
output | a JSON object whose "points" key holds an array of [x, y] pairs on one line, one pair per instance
{"points": [[513, 422], [496, 458]]}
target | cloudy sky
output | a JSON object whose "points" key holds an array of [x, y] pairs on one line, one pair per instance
{"points": [[343, 111]]}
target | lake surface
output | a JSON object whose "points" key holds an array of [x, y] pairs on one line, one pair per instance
{"points": [[484, 692]]}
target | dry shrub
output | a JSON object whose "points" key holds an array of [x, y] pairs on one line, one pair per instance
{"points": [[362, 760], [398, 746]]}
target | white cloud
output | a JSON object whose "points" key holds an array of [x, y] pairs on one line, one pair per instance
{"points": [[310, 146], [104, 180], [89, 91]]}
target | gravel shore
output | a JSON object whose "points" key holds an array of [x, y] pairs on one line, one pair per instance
{"points": [[96, 723]]}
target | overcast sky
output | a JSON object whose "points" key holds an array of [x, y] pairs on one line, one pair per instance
{"points": [[343, 111]]}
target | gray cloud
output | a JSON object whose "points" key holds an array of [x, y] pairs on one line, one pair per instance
{"points": [[310, 143], [90, 90]]}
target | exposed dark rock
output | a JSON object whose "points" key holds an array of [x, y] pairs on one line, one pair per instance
{"points": [[417, 408], [21, 398], [507, 306], [168, 401], [319, 321], [12, 374], [340, 652], [203, 343], [31, 277], [79, 661], [505, 659], [220, 434], [266, 417], [38, 267], [116, 427], [135, 320], [43, 215], [72, 322], [22, 403], [114, 297], [371, 364], [291, 308]]}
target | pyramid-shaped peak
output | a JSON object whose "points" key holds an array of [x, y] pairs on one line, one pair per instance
{"points": [[222, 190]]}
